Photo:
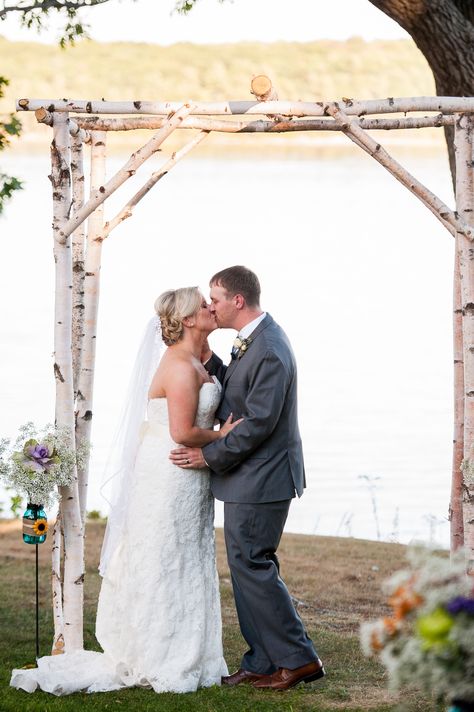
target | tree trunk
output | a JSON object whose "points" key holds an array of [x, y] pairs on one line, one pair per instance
{"points": [[443, 30]]}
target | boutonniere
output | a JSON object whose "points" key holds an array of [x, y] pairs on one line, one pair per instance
{"points": [[241, 345]]}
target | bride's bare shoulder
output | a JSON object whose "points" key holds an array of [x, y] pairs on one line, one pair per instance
{"points": [[174, 369]]}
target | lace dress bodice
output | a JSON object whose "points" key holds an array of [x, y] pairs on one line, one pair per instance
{"points": [[209, 397]]}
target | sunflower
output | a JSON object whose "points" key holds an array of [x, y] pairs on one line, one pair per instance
{"points": [[40, 527]]}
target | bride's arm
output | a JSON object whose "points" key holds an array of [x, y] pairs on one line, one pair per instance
{"points": [[182, 394]]}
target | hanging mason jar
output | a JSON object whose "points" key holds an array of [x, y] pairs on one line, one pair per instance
{"points": [[35, 524], [461, 706]]}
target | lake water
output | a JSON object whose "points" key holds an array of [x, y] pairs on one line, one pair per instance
{"points": [[353, 267]]}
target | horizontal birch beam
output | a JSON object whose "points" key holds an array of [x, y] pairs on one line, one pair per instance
{"points": [[443, 104], [95, 123], [445, 215], [135, 161], [126, 211], [46, 117]]}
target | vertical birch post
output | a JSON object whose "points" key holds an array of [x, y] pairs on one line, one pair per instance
{"points": [[464, 205], [91, 306], [455, 507], [71, 635], [78, 254]]}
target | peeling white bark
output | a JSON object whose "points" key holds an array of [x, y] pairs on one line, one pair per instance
{"points": [[351, 107], [260, 125]]}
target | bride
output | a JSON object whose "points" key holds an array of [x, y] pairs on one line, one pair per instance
{"points": [[158, 618]]}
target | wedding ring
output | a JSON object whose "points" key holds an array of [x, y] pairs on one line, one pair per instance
{"points": [[188, 461]]}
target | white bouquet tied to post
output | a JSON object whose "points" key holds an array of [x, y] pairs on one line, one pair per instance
{"points": [[39, 461]]}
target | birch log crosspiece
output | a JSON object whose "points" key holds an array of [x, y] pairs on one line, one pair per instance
{"points": [[130, 168], [46, 117], [96, 123], [463, 146], [391, 105], [84, 402], [70, 637]]}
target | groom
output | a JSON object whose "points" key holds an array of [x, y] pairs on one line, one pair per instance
{"points": [[256, 471]]}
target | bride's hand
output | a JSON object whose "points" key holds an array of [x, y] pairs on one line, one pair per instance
{"points": [[228, 426]]}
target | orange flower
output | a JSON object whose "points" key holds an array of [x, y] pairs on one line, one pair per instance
{"points": [[391, 625], [404, 600], [375, 642]]}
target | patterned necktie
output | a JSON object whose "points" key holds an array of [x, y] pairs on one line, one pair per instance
{"points": [[235, 349]]}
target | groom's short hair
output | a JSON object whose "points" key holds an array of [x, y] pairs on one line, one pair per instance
{"points": [[239, 280]]}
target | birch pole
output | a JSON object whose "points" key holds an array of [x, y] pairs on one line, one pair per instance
{"points": [[455, 506], [78, 253], [464, 203], [70, 637], [126, 211], [440, 210], [91, 307]]}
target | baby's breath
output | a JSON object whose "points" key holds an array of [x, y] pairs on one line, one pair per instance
{"points": [[40, 487], [428, 638]]}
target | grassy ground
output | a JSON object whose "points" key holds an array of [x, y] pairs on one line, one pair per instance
{"points": [[336, 581]]}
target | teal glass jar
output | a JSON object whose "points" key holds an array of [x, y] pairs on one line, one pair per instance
{"points": [[35, 524]]}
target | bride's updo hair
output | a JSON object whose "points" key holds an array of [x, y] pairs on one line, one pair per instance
{"points": [[172, 307]]}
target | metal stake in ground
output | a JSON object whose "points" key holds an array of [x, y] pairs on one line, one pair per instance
{"points": [[37, 602]]}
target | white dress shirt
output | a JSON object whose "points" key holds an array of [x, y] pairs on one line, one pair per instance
{"points": [[251, 326]]}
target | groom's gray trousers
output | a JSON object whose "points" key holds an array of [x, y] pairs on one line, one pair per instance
{"points": [[268, 620]]}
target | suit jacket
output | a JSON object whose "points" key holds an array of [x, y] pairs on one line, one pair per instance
{"points": [[261, 460]]}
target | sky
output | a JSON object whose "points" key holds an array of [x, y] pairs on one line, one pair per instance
{"points": [[211, 21]]}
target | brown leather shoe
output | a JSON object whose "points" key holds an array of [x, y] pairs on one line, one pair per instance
{"points": [[241, 676], [283, 678]]}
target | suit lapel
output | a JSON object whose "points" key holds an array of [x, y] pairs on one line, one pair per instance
{"points": [[232, 367]]}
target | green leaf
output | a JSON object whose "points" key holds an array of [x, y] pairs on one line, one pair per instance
{"points": [[8, 185]]}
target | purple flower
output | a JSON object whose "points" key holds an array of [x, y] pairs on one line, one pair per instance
{"points": [[460, 604], [36, 457]]}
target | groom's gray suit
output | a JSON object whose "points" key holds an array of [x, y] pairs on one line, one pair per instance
{"points": [[256, 470]]}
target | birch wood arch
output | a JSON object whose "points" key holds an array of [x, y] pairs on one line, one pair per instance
{"points": [[79, 231]]}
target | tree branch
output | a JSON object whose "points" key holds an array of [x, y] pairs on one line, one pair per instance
{"points": [[46, 5]]}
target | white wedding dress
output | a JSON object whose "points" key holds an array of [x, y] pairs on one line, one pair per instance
{"points": [[158, 618]]}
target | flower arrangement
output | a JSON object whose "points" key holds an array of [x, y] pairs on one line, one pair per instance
{"points": [[40, 461], [428, 638], [241, 345]]}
